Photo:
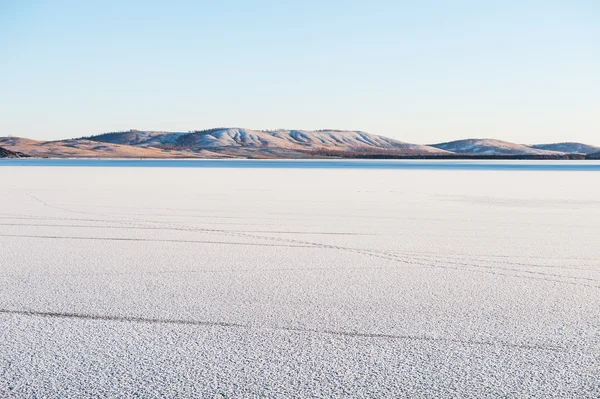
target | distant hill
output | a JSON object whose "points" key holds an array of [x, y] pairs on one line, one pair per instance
{"points": [[283, 143], [271, 143], [81, 148], [572, 148], [491, 147]]}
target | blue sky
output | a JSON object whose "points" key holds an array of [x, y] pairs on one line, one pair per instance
{"points": [[420, 71]]}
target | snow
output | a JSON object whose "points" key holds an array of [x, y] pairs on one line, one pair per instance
{"points": [[280, 139], [492, 147], [177, 282], [569, 148]]}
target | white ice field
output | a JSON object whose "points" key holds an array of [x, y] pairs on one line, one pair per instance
{"points": [[279, 283]]}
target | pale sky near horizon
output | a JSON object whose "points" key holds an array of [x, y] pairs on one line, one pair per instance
{"points": [[526, 71]]}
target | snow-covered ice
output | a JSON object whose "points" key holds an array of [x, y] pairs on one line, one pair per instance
{"points": [[177, 282]]}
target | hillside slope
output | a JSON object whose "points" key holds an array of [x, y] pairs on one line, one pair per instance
{"points": [[4, 153], [239, 141], [571, 148], [282, 144], [491, 147], [81, 148], [595, 156]]}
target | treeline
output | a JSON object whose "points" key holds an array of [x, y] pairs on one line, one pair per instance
{"points": [[404, 154], [134, 131], [106, 135], [4, 153], [593, 156], [208, 131]]}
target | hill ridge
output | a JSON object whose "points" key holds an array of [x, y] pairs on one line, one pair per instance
{"points": [[278, 143]]}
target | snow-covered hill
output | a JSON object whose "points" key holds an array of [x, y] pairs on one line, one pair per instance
{"points": [[571, 148], [491, 147], [286, 140], [248, 143]]}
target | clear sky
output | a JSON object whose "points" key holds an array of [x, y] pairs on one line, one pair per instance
{"points": [[420, 71]]}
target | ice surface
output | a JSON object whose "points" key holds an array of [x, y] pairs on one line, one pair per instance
{"points": [[175, 282]]}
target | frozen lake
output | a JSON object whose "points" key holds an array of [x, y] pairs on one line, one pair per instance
{"points": [[299, 282]]}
